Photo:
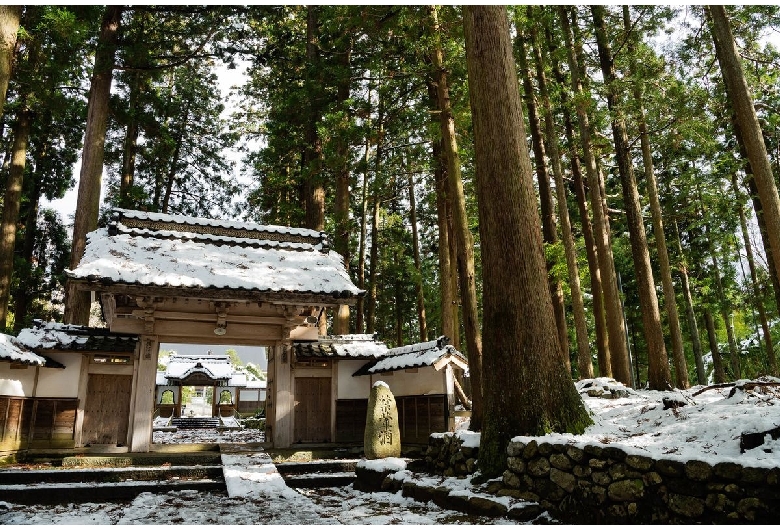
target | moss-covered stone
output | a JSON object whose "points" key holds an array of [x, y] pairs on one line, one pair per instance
{"points": [[516, 464], [685, 505], [515, 448], [698, 470], [531, 450], [566, 481], [638, 462], [752, 475], [560, 461], [626, 490], [727, 470], [670, 468], [575, 453], [538, 467]]}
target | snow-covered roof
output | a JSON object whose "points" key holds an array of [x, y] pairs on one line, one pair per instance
{"points": [[436, 353], [56, 336], [149, 249], [208, 366], [214, 367], [14, 351], [342, 347]]}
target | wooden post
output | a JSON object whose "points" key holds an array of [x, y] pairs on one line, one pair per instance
{"points": [[177, 412], [141, 417], [283, 398], [82, 397]]}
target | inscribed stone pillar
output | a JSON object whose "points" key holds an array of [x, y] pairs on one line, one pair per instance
{"points": [[382, 437]]}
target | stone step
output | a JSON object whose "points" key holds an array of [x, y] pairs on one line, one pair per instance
{"points": [[82, 492], [318, 474], [196, 423], [109, 475]]}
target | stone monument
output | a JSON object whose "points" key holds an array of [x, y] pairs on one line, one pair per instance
{"points": [[382, 438]]}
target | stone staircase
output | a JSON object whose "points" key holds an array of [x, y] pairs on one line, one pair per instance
{"points": [[195, 422], [318, 474], [106, 478]]}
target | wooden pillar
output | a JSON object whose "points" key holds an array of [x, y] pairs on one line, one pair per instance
{"points": [[449, 389], [141, 415], [177, 412], [82, 395], [282, 398]]}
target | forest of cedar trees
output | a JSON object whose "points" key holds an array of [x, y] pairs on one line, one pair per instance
{"points": [[564, 191]]}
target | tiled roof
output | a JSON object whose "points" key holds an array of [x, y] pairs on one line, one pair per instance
{"points": [[341, 347], [54, 336], [14, 351], [147, 249], [413, 356]]}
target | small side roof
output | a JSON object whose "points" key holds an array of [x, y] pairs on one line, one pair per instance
{"points": [[437, 353], [12, 350], [67, 337], [342, 347]]}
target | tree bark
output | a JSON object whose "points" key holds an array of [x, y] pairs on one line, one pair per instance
{"points": [[11, 205], [725, 308], [602, 338], [765, 330], [447, 293], [463, 238], [658, 368], [77, 303], [313, 185], [670, 300], [741, 99], [10, 17], [717, 362], [612, 305], [701, 375], [421, 319], [584, 363], [527, 389], [341, 202], [549, 233]]}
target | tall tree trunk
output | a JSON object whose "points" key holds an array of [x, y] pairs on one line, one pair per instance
{"points": [[131, 143], [77, 303], [717, 362], [762, 228], [361, 275], [584, 363], [313, 185], [741, 99], [11, 204], [670, 300], [602, 339], [618, 352], [701, 375], [768, 343], [549, 233], [658, 368], [447, 292], [527, 389], [9, 27], [725, 308], [341, 202], [24, 293], [417, 263], [463, 238], [173, 169]]}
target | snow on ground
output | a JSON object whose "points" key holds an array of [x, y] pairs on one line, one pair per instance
{"points": [[706, 424]]}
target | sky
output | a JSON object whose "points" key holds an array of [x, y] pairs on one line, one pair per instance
{"points": [[706, 425]]}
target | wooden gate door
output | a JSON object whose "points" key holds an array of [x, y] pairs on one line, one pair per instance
{"points": [[107, 409], [312, 410]]}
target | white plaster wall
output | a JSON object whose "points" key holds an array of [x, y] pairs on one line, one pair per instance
{"points": [[426, 381], [61, 382], [163, 389], [17, 382], [352, 387]]}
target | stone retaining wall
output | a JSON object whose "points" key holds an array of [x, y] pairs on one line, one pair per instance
{"points": [[604, 484]]}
